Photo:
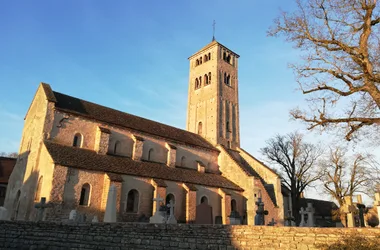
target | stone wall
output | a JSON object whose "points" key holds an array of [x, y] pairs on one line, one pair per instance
{"points": [[44, 235]]}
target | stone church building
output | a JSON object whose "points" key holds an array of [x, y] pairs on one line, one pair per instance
{"points": [[72, 150]]}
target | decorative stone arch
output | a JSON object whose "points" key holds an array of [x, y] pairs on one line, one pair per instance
{"points": [[132, 201], [78, 140], [85, 195], [37, 195]]}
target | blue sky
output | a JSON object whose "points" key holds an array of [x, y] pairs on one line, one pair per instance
{"points": [[132, 55]]}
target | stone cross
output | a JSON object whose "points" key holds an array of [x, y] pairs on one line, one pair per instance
{"points": [[260, 212], [310, 214], [3, 213], [302, 213], [73, 215], [158, 200], [349, 209], [272, 223], [41, 209], [171, 219], [377, 204]]}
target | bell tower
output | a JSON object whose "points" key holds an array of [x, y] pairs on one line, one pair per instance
{"points": [[213, 103]]}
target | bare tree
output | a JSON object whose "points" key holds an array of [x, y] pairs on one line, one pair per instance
{"points": [[340, 47], [296, 161], [11, 155], [346, 176]]}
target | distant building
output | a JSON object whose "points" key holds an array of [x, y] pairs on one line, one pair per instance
{"points": [[6, 166]]}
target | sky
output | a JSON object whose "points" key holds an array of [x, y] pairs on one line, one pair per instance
{"points": [[131, 55]]}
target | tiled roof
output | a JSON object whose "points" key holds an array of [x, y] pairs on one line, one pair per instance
{"points": [[114, 117], [248, 169], [6, 167], [211, 44], [90, 160]]}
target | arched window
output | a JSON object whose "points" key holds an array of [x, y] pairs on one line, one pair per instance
{"points": [[224, 55], [150, 154], [183, 161], [84, 199], [200, 60], [116, 148], [77, 142], [209, 77], [204, 200], [205, 58], [225, 77], [37, 195], [209, 56], [199, 128], [228, 82], [197, 62], [233, 205], [169, 197], [132, 201], [200, 81], [206, 79]]}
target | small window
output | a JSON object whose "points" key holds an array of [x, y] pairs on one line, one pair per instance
{"points": [[228, 126], [200, 60], [209, 56], [183, 161], [77, 142], [150, 154], [209, 77], [233, 205], [85, 195], [116, 148], [224, 55], [205, 58], [197, 85], [132, 201], [200, 81], [205, 79], [200, 128], [37, 196], [204, 200], [197, 62]]}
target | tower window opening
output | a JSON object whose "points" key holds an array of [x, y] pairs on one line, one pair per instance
{"points": [[77, 141], [209, 56], [197, 62], [206, 79], [197, 84], [209, 77], [228, 126], [200, 81], [200, 60], [224, 55], [200, 128], [205, 58]]}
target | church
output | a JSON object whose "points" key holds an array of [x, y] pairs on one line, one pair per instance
{"points": [[73, 150]]}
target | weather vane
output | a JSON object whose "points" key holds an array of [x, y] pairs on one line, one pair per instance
{"points": [[213, 30]]}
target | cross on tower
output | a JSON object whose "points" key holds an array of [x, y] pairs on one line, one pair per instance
{"points": [[213, 30]]}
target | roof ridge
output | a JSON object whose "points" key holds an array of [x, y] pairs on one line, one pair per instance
{"points": [[186, 132]]}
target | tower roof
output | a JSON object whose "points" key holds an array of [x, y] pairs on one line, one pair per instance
{"points": [[210, 45]]}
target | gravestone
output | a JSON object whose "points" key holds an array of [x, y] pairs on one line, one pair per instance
{"points": [[235, 218], [73, 215], [361, 207], [310, 214], [203, 214], [272, 222], [95, 219], [3, 213], [171, 219], [289, 220], [157, 217], [110, 214], [41, 209], [349, 209], [302, 213], [377, 204], [81, 218], [260, 212]]}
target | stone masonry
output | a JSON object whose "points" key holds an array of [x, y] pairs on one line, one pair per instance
{"points": [[50, 235]]}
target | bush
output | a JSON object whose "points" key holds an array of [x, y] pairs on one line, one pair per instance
{"points": [[354, 242]]}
